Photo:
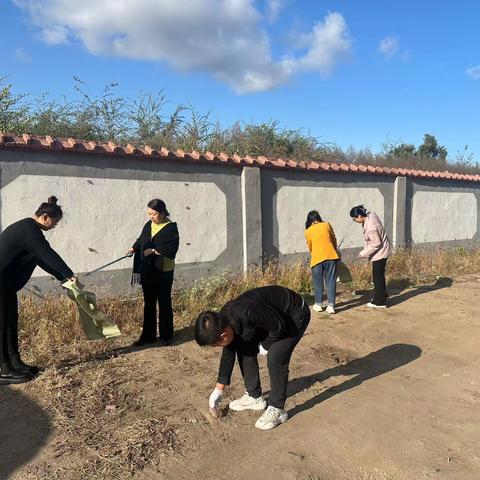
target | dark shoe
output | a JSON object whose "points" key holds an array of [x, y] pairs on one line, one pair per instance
{"points": [[9, 375], [164, 343], [17, 364], [143, 341]]}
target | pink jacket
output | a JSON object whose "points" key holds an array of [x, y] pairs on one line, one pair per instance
{"points": [[377, 244]]}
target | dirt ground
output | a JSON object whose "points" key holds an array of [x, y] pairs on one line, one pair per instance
{"points": [[384, 394]]}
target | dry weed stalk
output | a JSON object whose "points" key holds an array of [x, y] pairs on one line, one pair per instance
{"points": [[51, 334], [93, 402]]}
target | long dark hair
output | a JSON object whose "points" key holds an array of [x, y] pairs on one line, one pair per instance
{"points": [[358, 210], [158, 205], [312, 216], [50, 208]]}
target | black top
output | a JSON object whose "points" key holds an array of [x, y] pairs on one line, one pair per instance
{"points": [[23, 247], [165, 242], [266, 315]]}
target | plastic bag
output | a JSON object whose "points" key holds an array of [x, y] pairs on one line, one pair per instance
{"points": [[96, 324]]}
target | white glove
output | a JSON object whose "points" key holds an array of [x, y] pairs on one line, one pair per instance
{"points": [[262, 351], [215, 398]]}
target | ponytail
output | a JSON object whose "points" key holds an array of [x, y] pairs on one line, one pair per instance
{"points": [[50, 208], [359, 210]]}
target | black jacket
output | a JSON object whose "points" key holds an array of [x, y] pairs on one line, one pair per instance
{"points": [[261, 315], [23, 247], [165, 242]]}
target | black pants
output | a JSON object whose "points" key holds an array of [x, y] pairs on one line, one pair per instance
{"points": [[8, 324], [278, 361], [158, 290], [378, 272]]}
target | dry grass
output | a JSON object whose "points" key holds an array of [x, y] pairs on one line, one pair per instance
{"points": [[421, 266], [92, 395], [98, 418], [51, 334]]}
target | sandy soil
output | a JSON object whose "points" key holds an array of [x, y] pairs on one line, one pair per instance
{"points": [[391, 394]]}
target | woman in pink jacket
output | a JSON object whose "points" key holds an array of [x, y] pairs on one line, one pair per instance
{"points": [[377, 249]]}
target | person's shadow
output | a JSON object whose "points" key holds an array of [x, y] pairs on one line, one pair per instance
{"points": [[398, 293], [24, 428], [442, 282], [364, 368], [183, 335]]}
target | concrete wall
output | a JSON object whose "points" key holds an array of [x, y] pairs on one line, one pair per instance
{"points": [[442, 212], [104, 202], [287, 197], [228, 217]]}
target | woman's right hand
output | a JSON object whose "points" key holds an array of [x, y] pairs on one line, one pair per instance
{"points": [[130, 251]]}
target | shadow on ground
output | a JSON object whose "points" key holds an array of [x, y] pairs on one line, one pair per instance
{"points": [[364, 368], [398, 293], [24, 429], [442, 282], [183, 335]]}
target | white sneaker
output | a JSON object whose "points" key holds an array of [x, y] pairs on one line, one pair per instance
{"points": [[374, 305], [246, 402], [330, 309], [271, 418], [317, 307]]}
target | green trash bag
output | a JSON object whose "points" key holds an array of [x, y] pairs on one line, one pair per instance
{"points": [[343, 272], [95, 324]]}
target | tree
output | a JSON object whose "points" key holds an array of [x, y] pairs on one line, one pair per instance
{"points": [[402, 150], [14, 115], [431, 149]]}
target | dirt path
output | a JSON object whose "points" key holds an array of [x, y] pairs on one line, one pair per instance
{"points": [[391, 394]]}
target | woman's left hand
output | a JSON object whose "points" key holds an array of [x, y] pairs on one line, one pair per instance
{"points": [[149, 251]]}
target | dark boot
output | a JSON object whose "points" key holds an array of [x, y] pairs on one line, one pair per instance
{"points": [[9, 375], [143, 341], [17, 364]]}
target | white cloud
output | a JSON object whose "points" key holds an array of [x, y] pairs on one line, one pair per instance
{"points": [[222, 37], [474, 72], [54, 35], [389, 46], [22, 56], [328, 42], [273, 9]]}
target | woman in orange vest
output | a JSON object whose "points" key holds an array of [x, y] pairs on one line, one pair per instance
{"points": [[322, 244]]}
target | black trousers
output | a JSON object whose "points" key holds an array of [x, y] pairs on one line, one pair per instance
{"points": [[8, 324], [278, 361], [378, 273], [158, 290]]}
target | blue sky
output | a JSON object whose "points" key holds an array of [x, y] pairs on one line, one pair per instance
{"points": [[354, 73]]}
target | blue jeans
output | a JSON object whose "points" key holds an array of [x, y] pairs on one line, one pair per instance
{"points": [[325, 271]]}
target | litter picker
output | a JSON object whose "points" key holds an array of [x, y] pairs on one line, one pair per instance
{"points": [[340, 265], [345, 236], [107, 264]]}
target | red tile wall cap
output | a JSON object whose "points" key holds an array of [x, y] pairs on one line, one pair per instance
{"points": [[292, 163], [48, 143], [210, 156], [325, 166], [277, 162], [313, 166], [262, 160]]}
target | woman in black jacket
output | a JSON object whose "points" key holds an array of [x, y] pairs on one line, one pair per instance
{"points": [[153, 267], [23, 247]]}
